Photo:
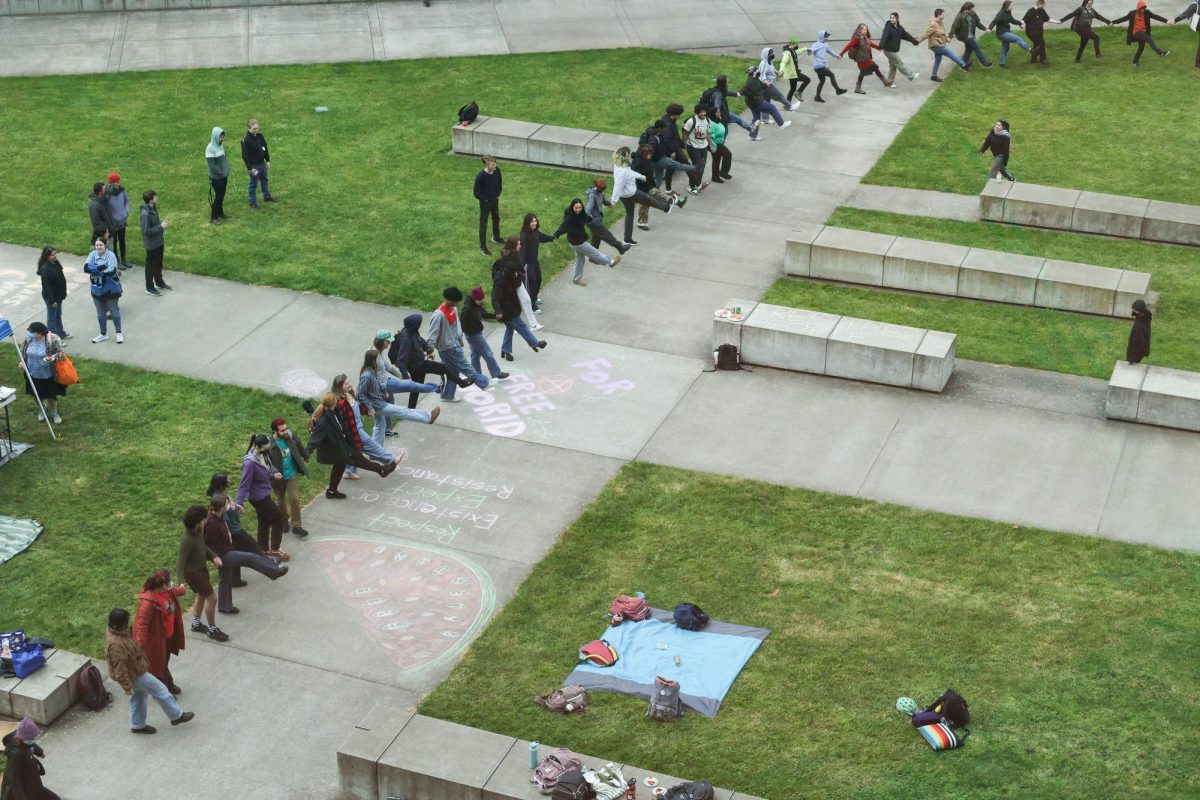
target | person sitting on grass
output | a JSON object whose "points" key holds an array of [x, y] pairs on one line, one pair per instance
{"points": [[128, 666]]}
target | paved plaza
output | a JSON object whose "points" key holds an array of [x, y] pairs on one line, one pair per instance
{"points": [[440, 546]]}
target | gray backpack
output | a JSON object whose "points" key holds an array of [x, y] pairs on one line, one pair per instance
{"points": [[552, 767], [664, 703], [566, 700]]}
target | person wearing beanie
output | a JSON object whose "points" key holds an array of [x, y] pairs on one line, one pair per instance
{"points": [[117, 200], [473, 315], [23, 770], [128, 666], [1082, 19], [594, 207], [1139, 30], [153, 229], [1138, 346], [893, 35], [789, 67], [288, 460], [446, 337], [574, 225], [218, 174], [489, 184], [506, 280], [999, 141], [257, 159], [98, 213]]}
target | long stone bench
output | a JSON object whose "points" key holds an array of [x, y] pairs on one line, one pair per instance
{"points": [[540, 144], [1150, 395], [916, 265], [394, 753], [1090, 212], [842, 347], [45, 694]]}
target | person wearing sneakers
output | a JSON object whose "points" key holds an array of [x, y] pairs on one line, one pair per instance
{"points": [[859, 47], [98, 212], [935, 34], [257, 159], [218, 174], [893, 35], [22, 778], [696, 131], [643, 164], [755, 91], [101, 267], [999, 141], [412, 355], [770, 76], [117, 199], [255, 486], [506, 279], [54, 289], [594, 207], [1139, 30], [158, 625], [219, 539], [821, 53], [353, 410], [372, 394], [532, 238], [192, 566], [625, 189], [288, 460], [336, 441], [446, 337], [488, 186], [1082, 20], [153, 229], [674, 144], [392, 378], [789, 67], [128, 666], [472, 317], [219, 485], [574, 225], [40, 349], [1002, 24]]}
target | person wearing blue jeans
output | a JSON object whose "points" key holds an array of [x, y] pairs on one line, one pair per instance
{"points": [[1002, 24], [473, 314], [446, 336], [54, 289], [935, 34], [128, 666], [371, 447], [966, 24], [257, 159]]}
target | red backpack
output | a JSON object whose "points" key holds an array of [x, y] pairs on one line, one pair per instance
{"points": [[89, 684], [598, 652], [625, 607]]}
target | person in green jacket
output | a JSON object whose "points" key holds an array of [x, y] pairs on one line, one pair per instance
{"points": [[218, 174], [722, 157], [789, 67]]}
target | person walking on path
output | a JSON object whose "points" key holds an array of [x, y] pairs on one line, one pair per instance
{"points": [[54, 289], [23, 771], [192, 566], [153, 229], [935, 34], [893, 35], [392, 378], [218, 174], [117, 199], [674, 144], [696, 129], [158, 625], [128, 666], [219, 485], [859, 47], [472, 317], [98, 213], [664, 163], [101, 267], [594, 208], [1192, 13], [1139, 30], [489, 184], [289, 460], [219, 539], [1035, 20], [574, 225], [821, 53], [506, 278], [1082, 20], [719, 95], [334, 438], [789, 67], [372, 394], [762, 110], [257, 159], [532, 237], [643, 164], [966, 28], [1138, 346], [999, 141], [255, 486], [349, 403], [626, 190], [446, 337], [411, 354], [722, 158], [770, 77], [39, 351], [1002, 23]]}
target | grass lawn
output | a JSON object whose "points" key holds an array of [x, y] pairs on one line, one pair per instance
{"points": [[138, 449], [372, 206], [1077, 654], [1022, 336], [1097, 125]]}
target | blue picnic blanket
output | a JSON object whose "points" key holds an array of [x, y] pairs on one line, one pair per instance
{"points": [[709, 660]]}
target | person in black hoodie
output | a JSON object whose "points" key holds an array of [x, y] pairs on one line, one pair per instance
{"points": [[54, 289], [1035, 20], [506, 277], [1002, 23], [1139, 336], [1139, 30], [999, 141], [471, 318], [412, 355], [674, 143], [1082, 19], [893, 36], [257, 159]]}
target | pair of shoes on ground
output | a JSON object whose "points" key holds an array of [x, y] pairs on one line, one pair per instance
{"points": [[186, 716], [212, 631], [104, 338], [157, 290]]}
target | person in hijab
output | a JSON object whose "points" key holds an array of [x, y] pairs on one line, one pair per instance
{"points": [[218, 174], [935, 34], [1082, 19], [859, 48], [820, 53], [1139, 335], [1192, 12], [999, 141], [1139, 30]]}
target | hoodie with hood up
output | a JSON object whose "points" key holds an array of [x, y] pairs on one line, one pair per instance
{"points": [[594, 206], [409, 350], [821, 51], [766, 70], [218, 164]]}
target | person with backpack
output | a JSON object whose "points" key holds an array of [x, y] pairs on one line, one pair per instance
{"points": [[506, 277], [489, 184], [532, 238], [218, 174], [128, 666], [472, 316], [716, 98], [698, 144], [935, 34], [789, 67], [821, 53], [1082, 19], [1139, 30], [893, 35], [999, 141], [626, 190], [23, 771], [770, 76], [859, 47], [158, 625], [1192, 13], [574, 226], [257, 159], [1035, 20], [117, 199], [664, 163], [752, 93], [594, 206], [1002, 23], [674, 144]]}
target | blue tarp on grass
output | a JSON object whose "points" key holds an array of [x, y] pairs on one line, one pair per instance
{"points": [[710, 660]]}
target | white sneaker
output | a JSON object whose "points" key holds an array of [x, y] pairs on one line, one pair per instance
{"points": [[754, 128], [915, 76], [537, 326], [120, 338], [451, 399], [767, 121], [997, 179], [786, 124], [41, 417], [57, 419], [795, 105], [101, 338]]}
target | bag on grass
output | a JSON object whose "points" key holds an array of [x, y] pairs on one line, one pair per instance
{"points": [[922, 718], [572, 786], [468, 113], [598, 652], [28, 660], [664, 703], [728, 358], [625, 607], [553, 767], [692, 790], [953, 707], [64, 372], [90, 686], [568, 699], [941, 736], [690, 616]]}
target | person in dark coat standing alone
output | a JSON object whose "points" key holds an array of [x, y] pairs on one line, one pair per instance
{"points": [[1035, 20], [999, 141], [23, 771], [1139, 336], [1139, 30], [489, 184]]}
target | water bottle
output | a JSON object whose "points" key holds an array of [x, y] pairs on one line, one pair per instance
{"points": [[631, 789], [533, 755]]}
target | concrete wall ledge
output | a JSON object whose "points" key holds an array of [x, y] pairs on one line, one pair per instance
{"points": [[46, 694], [1168, 398], [535, 143], [25, 8], [1090, 212], [396, 753]]}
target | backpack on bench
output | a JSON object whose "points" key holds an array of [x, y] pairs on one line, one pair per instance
{"points": [[551, 768]]}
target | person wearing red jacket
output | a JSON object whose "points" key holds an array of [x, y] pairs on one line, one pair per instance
{"points": [[859, 47], [158, 626]]}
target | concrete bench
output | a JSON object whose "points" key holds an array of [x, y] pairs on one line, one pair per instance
{"points": [[394, 753], [916, 265], [1090, 212], [1169, 398], [539, 144], [44, 695], [843, 347]]}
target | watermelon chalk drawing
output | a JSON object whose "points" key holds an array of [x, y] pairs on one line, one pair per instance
{"points": [[419, 603]]}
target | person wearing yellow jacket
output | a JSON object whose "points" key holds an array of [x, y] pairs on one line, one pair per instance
{"points": [[789, 67]]}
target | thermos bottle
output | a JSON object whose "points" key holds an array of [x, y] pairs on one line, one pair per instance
{"points": [[533, 755]]}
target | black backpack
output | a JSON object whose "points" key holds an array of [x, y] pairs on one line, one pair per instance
{"points": [[468, 113], [690, 616], [706, 100], [90, 685], [727, 357], [692, 790], [572, 786], [953, 707], [652, 137]]}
